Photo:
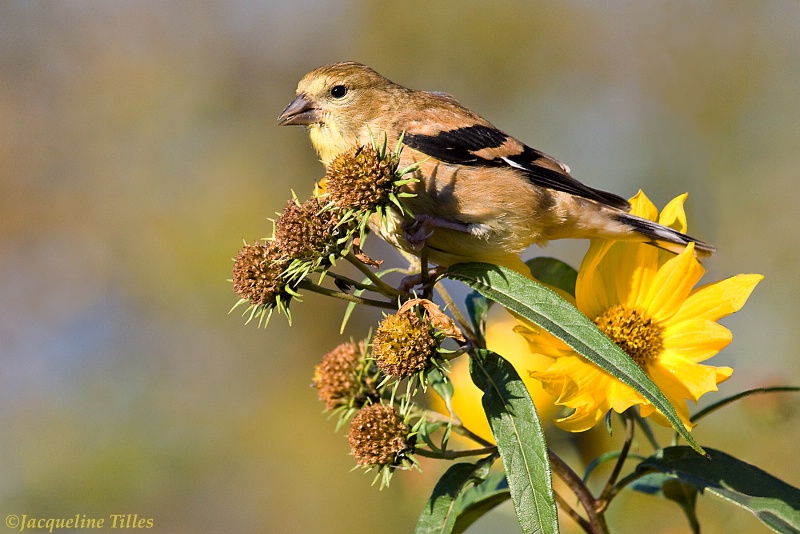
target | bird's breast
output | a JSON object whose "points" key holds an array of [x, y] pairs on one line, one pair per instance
{"points": [[329, 141]]}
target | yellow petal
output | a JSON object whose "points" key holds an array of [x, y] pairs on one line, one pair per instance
{"points": [[672, 284], [608, 394], [583, 418], [540, 343], [660, 285], [633, 272], [571, 379], [673, 214], [641, 206], [682, 379], [719, 299], [696, 339], [591, 294], [554, 384], [603, 278], [587, 389], [501, 337], [621, 397], [622, 275]]}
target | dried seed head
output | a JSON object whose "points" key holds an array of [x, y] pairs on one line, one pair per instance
{"points": [[404, 344], [379, 437], [337, 376], [360, 179], [258, 273], [308, 232]]}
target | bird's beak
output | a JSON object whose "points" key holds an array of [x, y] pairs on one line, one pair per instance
{"points": [[300, 111]]}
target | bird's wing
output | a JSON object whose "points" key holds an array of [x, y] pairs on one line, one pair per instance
{"points": [[481, 144]]}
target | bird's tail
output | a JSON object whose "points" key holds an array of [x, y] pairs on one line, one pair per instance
{"points": [[664, 237]]}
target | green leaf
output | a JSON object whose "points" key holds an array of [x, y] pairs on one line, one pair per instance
{"points": [[439, 514], [682, 493], [547, 309], [554, 273], [479, 499], [603, 458], [520, 441], [426, 430], [477, 309], [442, 386], [774, 502]]}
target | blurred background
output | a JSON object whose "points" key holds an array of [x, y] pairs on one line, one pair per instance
{"points": [[139, 146]]}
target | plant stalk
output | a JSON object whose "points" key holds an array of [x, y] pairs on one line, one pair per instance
{"points": [[597, 522], [305, 284]]}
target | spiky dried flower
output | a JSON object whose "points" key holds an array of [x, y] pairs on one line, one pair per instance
{"points": [[340, 377], [360, 179], [308, 232], [379, 437], [404, 344], [258, 273]]}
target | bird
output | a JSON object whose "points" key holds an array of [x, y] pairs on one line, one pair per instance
{"points": [[481, 195]]}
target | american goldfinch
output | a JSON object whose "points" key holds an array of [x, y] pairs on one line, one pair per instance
{"points": [[482, 195]]}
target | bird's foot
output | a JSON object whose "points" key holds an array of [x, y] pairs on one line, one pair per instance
{"points": [[423, 226], [418, 231], [411, 281]]}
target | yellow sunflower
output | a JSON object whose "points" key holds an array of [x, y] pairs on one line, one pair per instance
{"points": [[644, 299]]}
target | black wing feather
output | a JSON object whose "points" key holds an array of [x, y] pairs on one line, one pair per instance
{"points": [[458, 147]]}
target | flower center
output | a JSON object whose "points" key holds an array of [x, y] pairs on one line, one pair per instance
{"points": [[638, 335]]}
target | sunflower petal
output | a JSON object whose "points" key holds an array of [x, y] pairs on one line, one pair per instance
{"points": [[583, 418], [636, 274], [696, 339], [641, 206], [591, 295], [719, 299], [622, 397], [582, 386], [637, 264], [682, 379], [672, 284], [673, 214]]}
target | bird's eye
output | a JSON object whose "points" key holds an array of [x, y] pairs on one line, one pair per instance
{"points": [[338, 91]]}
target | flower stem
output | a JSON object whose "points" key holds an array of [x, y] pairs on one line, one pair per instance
{"points": [[382, 286], [457, 426], [604, 499], [305, 284], [597, 522], [567, 508], [423, 271], [647, 431], [349, 281], [452, 455], [624, 482], [464, 431], [448, 301]]}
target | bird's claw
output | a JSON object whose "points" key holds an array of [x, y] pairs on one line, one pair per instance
{"points": [[409, 282], [419, 231]]}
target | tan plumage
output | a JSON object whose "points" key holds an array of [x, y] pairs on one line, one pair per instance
{"points": [[486, 195]]}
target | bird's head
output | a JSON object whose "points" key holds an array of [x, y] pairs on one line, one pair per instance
{"points": [[339, 103]]}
